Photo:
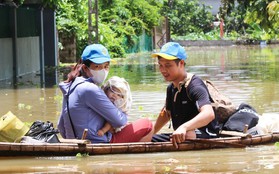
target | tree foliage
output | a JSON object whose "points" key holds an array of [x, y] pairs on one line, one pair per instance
{"points": [[187, 16], [128, 18], [273, 13], [258, 18], [120, 21]]}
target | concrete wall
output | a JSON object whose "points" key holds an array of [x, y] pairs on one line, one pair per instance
{"points": [[28, 60], [6, 58], [28, 52], [187, 43]]}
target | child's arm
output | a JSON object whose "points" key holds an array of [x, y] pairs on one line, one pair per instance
{"points": [[104, 129]]}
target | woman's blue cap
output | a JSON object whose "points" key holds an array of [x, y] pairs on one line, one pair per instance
{"points": [[96, 53]]}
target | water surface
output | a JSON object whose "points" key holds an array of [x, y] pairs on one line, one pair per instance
{"points": [[247, 74]]}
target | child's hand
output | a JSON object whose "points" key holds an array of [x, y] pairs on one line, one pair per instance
{"points": [[100, 133], [112, 130]]}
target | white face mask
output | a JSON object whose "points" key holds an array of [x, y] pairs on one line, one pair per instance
{"points": [[119, 103], [99, 76]]}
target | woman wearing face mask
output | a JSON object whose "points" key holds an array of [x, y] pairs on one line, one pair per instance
{"points": [[86, 106], [118, 91]]}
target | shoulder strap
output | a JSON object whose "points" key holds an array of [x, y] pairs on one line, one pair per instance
{"points": [[188, 79], [187, 82], [67, 98], [210, 86]]}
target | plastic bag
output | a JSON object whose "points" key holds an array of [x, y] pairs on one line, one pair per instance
{"points": [[44, 132]]}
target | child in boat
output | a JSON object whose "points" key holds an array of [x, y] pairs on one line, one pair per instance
{"points": [[118, 91]]}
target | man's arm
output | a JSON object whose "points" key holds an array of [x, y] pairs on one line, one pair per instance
{"points": [[205, 116], [162, 120]]}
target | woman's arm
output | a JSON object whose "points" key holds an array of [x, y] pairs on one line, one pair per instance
{"points": [[97, 100]]}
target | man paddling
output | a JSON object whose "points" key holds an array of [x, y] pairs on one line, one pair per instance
{"points": [[190, 111]]}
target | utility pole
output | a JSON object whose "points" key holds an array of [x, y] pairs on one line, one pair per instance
{"points": [[168, 35], [94, 28]]}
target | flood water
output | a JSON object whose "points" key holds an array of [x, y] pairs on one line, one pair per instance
{"points": [[247, 74]]}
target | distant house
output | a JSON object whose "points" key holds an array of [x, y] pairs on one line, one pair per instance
{"points": [[28, 46]]}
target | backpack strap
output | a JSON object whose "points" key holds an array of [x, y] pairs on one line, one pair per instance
{"points": [[187, 82], [212, 90], [188, 79]]}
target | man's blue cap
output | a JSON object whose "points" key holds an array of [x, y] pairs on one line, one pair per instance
{"points": [[96, 53], [171, 51]]}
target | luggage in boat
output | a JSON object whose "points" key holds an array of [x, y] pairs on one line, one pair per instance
{"points": [[42, 132], [11, 128]]}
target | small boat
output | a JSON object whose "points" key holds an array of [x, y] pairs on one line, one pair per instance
{"points": [[72, 148]]}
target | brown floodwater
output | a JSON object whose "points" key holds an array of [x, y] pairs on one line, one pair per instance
{"points": [[247, 74]]}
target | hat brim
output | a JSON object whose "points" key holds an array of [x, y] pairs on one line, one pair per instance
{"points": [[100, 60], [163, 55]]}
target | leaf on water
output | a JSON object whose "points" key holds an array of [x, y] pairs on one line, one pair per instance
{"points": [[80, 155], [28, 107], [42, 99], [140, 108], [21, 106]]}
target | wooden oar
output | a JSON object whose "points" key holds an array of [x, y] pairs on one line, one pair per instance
{"points": [[235, 134], [217, 143], [74, 141]]}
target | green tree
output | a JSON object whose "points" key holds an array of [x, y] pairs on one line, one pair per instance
{"points": [[255, 18], [128, 18], [234, 15], [273, 13], [119, 20], [187, 17], [71, 19], [256, 12]]}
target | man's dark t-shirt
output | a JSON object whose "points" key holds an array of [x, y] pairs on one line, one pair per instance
{"points": [[183, 108]]}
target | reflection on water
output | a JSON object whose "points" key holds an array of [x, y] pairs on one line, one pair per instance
{"points": [[260, 159], [247, 74]]}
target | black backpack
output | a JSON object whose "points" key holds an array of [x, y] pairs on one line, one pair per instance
{"points": [[245, 115]]}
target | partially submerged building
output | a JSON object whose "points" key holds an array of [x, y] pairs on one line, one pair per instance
{"points": [[28, 46]]}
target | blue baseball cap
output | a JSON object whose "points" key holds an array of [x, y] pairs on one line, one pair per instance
{"points": [[171, 51], [96, 53]]}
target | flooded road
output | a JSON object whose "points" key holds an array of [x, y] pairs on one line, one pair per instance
{"points": [[247, 74]]}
